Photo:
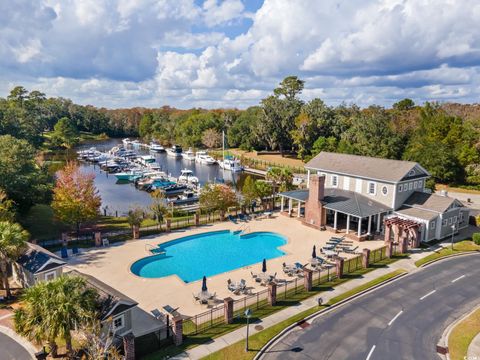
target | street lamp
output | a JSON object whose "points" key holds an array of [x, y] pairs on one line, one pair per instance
{"points": [[453, 234], [248, 314]]}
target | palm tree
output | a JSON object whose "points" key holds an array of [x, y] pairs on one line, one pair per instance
{"points": [[281, 178], [53, 309], [13, 240], [158, 207]]}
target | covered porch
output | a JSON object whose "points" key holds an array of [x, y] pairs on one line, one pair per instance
{"points": [[292, 203]]}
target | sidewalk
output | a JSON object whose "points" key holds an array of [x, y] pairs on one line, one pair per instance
{"points": [[474, 348], [239, 334]]}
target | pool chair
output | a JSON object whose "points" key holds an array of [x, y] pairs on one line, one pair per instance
{"points": [[232, 219], [196, 297], [254, 276]]}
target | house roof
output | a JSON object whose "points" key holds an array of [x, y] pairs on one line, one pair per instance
{"points": [[112, 301], [37, 259], [364, 166], [300, 195], [417, 213], [432, 202], [352, 203]]}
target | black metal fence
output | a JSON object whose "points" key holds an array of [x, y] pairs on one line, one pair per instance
{"points": [[154, 341]]}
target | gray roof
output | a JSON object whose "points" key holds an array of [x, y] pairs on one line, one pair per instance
{"points": [[432, 202], [352, 203], [35, 257], [363, 166], [417, 213], [300, 195], [112, 301]]}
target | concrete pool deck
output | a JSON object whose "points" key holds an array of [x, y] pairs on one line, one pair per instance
{"points": [[112, 264]]}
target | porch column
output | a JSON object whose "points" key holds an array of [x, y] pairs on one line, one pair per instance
{"points": [[335, 220], [282, 203], [359, 232], [369, 224], [308, 179], [299, 208], [290, 204], [378, 222], [348, 224]]}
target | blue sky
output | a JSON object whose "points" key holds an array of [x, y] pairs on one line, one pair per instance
{"points": [[232, 53]]}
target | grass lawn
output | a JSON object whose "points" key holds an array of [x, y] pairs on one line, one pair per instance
{"points": [[439, 187], [258, 340], [459, 247], [462, 335], [292, 300]]}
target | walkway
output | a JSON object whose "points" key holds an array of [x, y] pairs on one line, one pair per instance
{"points": [[239, 334], [474, 348]]}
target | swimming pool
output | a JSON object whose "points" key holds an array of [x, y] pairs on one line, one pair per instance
{"points": [[209, 254]]}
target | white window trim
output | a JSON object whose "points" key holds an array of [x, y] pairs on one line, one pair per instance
{"points": [[374, 188], [455, 219], [120, 317], [386, 192], [415, 184], [336, 181], [450, 220], [432, 224], [400, 188], [410, 186], [54, 273], [444, 222]]}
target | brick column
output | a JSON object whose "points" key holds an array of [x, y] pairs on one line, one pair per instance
{"points": [[136, 232], [308, 279], [339, 268], [389, 250], [272, 293], [388, 229], [129, 346], [228, 307], [98, 238], [197, 219], [365, 258], [177, 330], [403, 244], [169, 224]]}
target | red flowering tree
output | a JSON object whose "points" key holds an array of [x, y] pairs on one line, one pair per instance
{"points": [[75, 197]]}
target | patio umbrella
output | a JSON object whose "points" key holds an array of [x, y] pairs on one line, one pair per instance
{"points": [[314, 252], [204, 284], [264, 266]]}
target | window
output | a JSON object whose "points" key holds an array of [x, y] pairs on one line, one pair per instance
{"points": [[50, 276], [455, 218], [450, 221], [384, 190], [432, 224], [400, 188], [420, 184], [461, 217], [346, 183], [411, 172], [415, 184], [410, 186], [372, 188], [118, 323], [334, 180], [444, 222], [358, 185]]}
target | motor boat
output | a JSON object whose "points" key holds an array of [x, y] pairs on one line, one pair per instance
{"points": [[231, 163], [131, 175], [126, 141], [188, 197], [189, 155], [146, 159], [155, 147], [175, 151], [187, 176], [202, 157]]}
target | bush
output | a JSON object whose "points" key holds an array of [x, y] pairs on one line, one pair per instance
{"points": [[476, 238]]}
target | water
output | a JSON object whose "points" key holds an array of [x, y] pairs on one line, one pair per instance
{"points": [[118, 197], [209, 254]]}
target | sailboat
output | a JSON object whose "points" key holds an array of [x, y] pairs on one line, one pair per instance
{"points": [[229, 162]]}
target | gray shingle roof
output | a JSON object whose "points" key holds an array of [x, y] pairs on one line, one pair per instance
{"points": [[301, 195], [362, 166], [417, 213], [350, 202], [35, 257], [432, 202]]}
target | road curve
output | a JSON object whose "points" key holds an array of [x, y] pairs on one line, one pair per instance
{"points": [[12, 350], [401, 320]]}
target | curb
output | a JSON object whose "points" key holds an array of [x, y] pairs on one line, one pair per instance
{"points": [[463, 253], [443, 342], [322, 312], [20, 340]]}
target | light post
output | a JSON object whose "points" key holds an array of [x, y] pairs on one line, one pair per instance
{"points": [[248, 314], [453, 234]]}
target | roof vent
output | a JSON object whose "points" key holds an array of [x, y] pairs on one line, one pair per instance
{"points": [[444, 193]]}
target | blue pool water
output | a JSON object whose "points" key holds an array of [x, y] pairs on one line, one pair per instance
{"points": [[209, 254]]}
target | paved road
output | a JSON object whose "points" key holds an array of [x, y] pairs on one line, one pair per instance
{"points": [[11, 350], [402, 320]]}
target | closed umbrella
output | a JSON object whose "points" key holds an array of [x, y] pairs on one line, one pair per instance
{"points": [[314, 252], [264, 266], [204, 284]]}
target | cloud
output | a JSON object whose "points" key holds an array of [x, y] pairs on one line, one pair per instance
{"points": [[189, 53]]}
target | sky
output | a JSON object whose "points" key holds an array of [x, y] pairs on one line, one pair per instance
{"points": [[232, 53]]}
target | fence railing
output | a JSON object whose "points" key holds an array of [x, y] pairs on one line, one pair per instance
{"points": [[154, 341]]}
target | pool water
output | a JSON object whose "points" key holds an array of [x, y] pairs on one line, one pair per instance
{"points": [[209, 254]]}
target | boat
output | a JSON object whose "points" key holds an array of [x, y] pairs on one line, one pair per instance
{"points": [[231, 163], [135, 143], [146, 159], [84, 154], [202, 157], [187, 176], [175, 151], [131, 175], [189, 155], [126, 141], [188, 197], [155, 147], [174, 189]]}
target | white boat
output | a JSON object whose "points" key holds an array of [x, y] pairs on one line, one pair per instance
{"points": [[84, 154], [202, 157], [146, 159], [156, 147], [231, 163], [135, 143], [130, 175], [188, 177], [126, 141], [175, 151], [189, 155]]}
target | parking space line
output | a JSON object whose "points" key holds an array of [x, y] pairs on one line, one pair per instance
{"points": [[426, 295], [460, 277], [395, 317], [371, 352]]}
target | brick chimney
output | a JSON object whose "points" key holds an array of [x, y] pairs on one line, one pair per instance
{"points": [[315, 214]]}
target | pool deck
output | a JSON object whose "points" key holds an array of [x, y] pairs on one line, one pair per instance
{"points": [[112, 264]]}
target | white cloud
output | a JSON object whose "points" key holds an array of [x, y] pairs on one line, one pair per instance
{"points": [[216, 13]]}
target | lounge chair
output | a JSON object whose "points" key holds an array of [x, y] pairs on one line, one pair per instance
{"points": [[254, 276], [196, 297], [232, 219]]}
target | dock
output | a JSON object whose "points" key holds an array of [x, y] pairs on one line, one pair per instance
{"points": [[255, 171]]}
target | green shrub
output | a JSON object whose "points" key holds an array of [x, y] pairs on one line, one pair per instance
{"points": [[476, 238]]}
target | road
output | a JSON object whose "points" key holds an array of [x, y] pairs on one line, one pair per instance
{"points": [[12, 350], [402, 320]]}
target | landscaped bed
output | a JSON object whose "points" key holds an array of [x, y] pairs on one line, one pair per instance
{"points": [[458, 248], [462, 335]]}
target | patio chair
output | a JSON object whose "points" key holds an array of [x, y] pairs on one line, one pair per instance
{"points": [[196, 297], [232, 219], [254, 276]]}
